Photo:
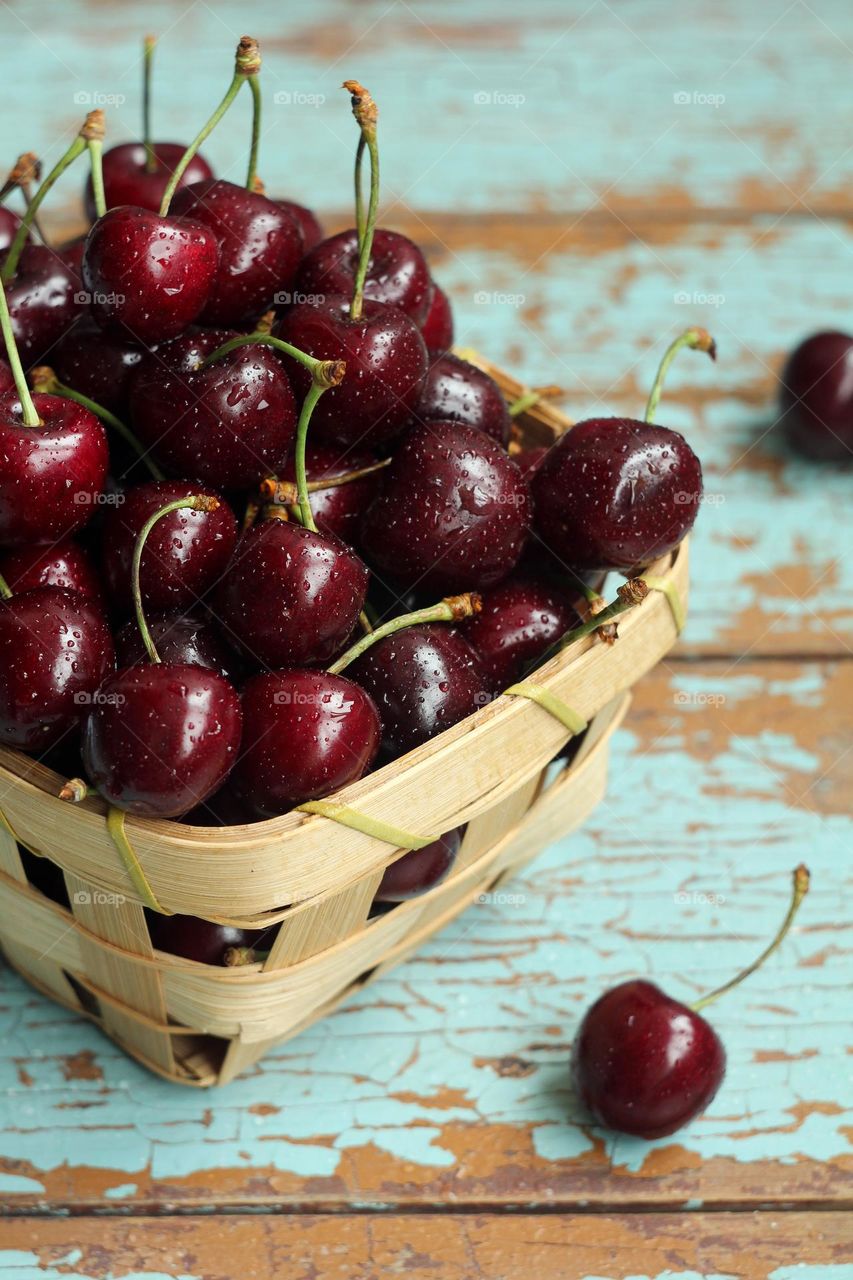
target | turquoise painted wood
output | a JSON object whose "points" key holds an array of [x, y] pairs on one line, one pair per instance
{"points": [[580, 213]]}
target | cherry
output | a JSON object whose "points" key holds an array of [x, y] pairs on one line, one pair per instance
{"points": [[225, 420], [129, 180], [397, 273], [200, 940], [437, 329], [423, 680], [64, 564], [260, 246], [307, 221], [161, 738], [55, 649], [646, 1064], [311, 733], [7, 381], [290, 595], [99, 365], [457, 391], [180, 638], [43, 298], [816, 397], [338, 508], [420, 870], [530, 460], [452, 513], [519, 621], [616, 493]]}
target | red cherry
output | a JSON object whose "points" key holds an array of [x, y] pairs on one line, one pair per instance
{"points": [[452, 513], [816, 397], [338, 509], [201, 940], [100, 365], [420, 870], [457, 391], [260, 245], [148, 276], [397, 273], [307, 221], [7, 381], [180, 639], [64, 564], [312, 733], [229, 424], [290, 596], [129, 180], [55, 649], [519, 620], [530, 460], [185, 553], [437, 329], [44, 301]]}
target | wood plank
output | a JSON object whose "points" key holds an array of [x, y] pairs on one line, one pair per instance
{"points": [[446, 1083], [639, 1246]]}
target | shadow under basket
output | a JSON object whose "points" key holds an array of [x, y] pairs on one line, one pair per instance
{"points": [[312, 874]]}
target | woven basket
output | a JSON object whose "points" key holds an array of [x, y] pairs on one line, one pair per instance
{"points": [[202, 1024]]}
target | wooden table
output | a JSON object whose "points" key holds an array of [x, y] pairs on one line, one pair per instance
{"points": [[587, 178]]}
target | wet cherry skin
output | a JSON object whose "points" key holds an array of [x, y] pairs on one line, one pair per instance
{"points": [[457, 391], [161, 738], [201, 940], [615, 493], [437, 328], [518, 622], [55, 649], [290, 596], [307, 221], [184, 555], [61, 564], [337, 510], [452, 513], [127, 179], [44, 298], [420, 870], [643, 1063], [397, 273], [97, 364], [7, 382], [179, 638], [228, 425], [311, 733], [53, 475], [170, 263], [816, 397]]}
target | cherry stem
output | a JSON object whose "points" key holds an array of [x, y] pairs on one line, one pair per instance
{"points": [[25, 171], [29, 413], [303, 501], [365, 111], [148, 48], [800, 888], [451, 609], [697, 340], [631, 593], [77, 147], [76, 790], [285, 492], [359, 196], [45, 380], [5, 589], [195, 502], [93, 132], [248, 63], [533, 397], [327, 373], [255, 86], [234, 957]]}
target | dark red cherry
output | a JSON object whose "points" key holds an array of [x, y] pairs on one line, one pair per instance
{"points": [[307, 220], [9, 223], [337, 510], [290, 596], [161, 738], [420, 870], [148, 277], [386, 363], [53, 474], [7, 382], [615, 493], [128, 180], [99, 365], [644, 1063], [260, 245], [519, 620], [223, 809], [457, 391], [530, 460], [179, 638], [423, 680], [452, 513], [185, 553], [45, 300], [201, 940], [816, 397], [228, 425], [397, 273], [311, 733], [55, 649], [437, 329], [61, 564]]}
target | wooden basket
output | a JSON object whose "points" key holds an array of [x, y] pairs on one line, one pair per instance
{"points": [[202, 1024]]}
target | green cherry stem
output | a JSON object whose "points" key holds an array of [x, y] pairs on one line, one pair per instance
{"points": [[697, 340], [255, 86], [533, 397], [25, 172], [93, 132], [148, 47], [77, 147], [631, 593], [451, 609], [284, 492], [5, 589], [366, 113], [247, 63], [29, 415], [359, 195], [45, 380], [196, 502], [800, 888], [327, 372]]}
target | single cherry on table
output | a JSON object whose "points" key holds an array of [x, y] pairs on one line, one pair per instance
{"points": [[816, 397]]}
